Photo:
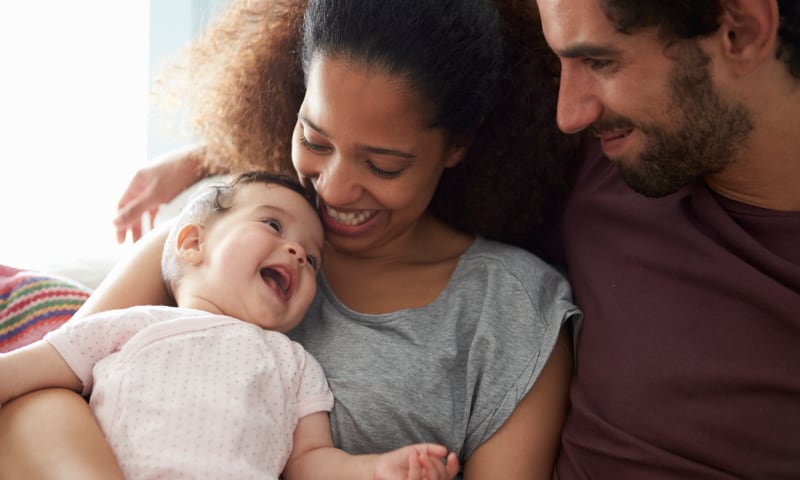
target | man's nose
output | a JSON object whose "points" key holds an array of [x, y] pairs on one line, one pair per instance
{"points": [[578, 104]]}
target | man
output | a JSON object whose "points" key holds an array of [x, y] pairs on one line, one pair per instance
{"points": [[683, 238]]}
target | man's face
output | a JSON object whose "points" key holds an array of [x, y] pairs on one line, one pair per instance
{"points": [[659, 117]]}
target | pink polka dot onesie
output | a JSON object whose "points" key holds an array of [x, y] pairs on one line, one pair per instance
{"points": [[184, 393]]}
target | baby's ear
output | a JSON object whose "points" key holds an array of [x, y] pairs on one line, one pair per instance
{"points": [[189, 244]]}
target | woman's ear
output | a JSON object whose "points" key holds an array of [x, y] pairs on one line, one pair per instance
{"points": [[189, 244], [749, 32], [455, 154], [460, 146]]}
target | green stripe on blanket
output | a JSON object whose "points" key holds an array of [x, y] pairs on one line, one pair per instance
{"points": [[34, 303]]}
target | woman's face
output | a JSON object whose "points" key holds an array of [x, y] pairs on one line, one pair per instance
{"points": [[364, 143]]}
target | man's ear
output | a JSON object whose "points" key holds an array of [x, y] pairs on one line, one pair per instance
{"points": [[749, 32], [189, 243]]}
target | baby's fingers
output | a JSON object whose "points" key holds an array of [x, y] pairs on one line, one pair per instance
{"points": [[451, 467], [439, 467], [415, 467]]}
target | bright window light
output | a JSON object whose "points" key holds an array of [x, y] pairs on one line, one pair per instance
{"points": [[73, 114]]}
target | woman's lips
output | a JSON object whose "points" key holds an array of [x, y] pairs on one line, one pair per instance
{"points": [[349, 218], [348, 222]]}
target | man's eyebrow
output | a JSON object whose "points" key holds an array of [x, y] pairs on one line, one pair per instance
{"points": [[588, 50]]}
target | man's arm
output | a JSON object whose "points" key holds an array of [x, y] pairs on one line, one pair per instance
{"points": [[34, 367]]}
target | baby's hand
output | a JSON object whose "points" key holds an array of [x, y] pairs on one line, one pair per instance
{"points": [[424, 461]]}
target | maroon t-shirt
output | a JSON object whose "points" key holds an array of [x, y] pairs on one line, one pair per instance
{"points": [[688, 360]]}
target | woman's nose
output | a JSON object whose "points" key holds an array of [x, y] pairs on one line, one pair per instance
{"points": [[578, 105], [337, 181]]}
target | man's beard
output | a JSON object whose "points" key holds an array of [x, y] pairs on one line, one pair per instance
{"points": [[708, 131]]}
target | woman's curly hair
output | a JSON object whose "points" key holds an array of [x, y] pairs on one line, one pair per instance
{"points": [[518, 171], [243, 82]]}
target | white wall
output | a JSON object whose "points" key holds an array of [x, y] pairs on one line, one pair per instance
{"points": [[75, 122]]}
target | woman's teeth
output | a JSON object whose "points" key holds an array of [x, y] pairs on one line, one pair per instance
{"points": [[350, 218]]}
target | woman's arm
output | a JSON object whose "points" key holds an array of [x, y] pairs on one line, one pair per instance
{"points": [[134, 280], [525, 447], [52, 434]]}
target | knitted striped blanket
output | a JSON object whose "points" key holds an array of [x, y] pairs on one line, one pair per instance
{"points": [[33, 303]]}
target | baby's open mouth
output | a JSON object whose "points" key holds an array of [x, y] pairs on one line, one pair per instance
{"points": [[279, 279]]}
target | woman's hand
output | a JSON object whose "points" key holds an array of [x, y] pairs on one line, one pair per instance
{"points": [[154, 185]]}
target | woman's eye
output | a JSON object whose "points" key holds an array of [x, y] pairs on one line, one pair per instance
{"points": [[312, 146], [274, 224], [381, 172]]}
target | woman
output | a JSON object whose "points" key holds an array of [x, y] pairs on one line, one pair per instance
{"points": [[425, 328]]}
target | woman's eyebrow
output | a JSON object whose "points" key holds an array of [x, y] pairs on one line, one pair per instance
{"points": [[386, 151], [312, 126]]}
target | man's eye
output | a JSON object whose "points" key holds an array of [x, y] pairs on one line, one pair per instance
{"points": [[597, 64], [274, 224]]}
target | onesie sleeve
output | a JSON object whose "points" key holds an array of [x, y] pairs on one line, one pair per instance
{"points": [[313, 393], [82, 343]]}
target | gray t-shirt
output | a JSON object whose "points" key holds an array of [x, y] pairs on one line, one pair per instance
{"points": [[450, 372]]}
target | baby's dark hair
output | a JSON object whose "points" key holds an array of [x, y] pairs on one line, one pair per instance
{"points": [[224, 193], [209, 204]]}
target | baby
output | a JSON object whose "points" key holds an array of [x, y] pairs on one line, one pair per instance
{"points": [[213, 388]]}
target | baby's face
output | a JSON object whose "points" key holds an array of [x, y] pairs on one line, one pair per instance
{"points": [[261, 257]]}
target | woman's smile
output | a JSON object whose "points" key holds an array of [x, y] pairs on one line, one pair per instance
{"points": [[352, 217], [348, 222]]}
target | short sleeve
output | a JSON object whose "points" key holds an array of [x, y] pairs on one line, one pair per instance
{"points": [[313, 393], [525, 304]]}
